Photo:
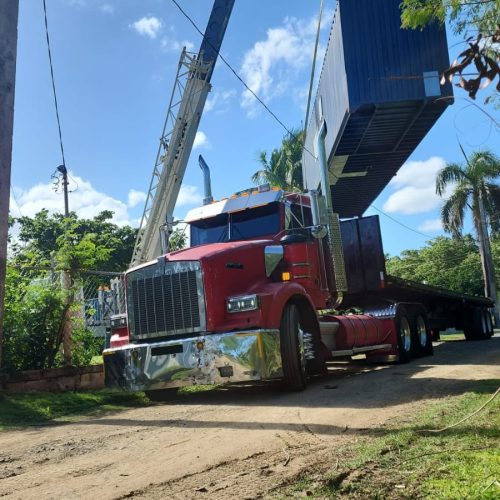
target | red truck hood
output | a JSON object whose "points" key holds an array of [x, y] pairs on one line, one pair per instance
{"points": [[215, 249]]}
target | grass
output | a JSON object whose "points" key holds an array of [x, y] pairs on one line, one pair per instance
{"points": [[403, 462], [451, 337], [19, 410], [193, 389]]}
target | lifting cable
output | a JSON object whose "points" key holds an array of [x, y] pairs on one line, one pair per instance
{"points": [[53, 83], [313, 68]]}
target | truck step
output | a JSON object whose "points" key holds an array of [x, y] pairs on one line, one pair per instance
{"points": [[360, 350]]}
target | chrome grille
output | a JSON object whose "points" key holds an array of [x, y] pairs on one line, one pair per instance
{"points": [[165, 300]]}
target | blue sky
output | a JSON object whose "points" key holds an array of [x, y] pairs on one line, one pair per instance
{"points": [[115, 63]]}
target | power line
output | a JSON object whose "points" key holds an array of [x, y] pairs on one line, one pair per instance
{"points": [[235, 73], [15, 200], [53, 82]]}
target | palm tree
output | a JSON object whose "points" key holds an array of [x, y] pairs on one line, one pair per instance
{"points": [[475, 189], [284, 168]]}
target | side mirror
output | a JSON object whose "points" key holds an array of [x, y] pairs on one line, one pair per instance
{"points": [[318, 232]]}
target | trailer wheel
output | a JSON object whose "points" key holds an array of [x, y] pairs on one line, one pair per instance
{"points": [[405, 337], [422, 332], [481, 323], [292, 349]]}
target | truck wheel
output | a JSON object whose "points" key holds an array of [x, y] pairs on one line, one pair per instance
{"points": [[292, 350], [480, 323], [405, 337], [422, 332]]}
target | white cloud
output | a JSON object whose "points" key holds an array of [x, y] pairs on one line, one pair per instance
{"points": [[135, 197], [148, 26], [271, 65], [417, 187], [201, 141], [86, 201], [431, 226], [107, 8], [220, 101], [188, 195], [170, 44]]}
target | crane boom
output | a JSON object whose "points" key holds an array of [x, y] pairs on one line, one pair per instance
{"points": [[186, 105]]}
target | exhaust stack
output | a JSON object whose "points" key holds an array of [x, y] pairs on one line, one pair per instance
{"points": [[207, 185]]}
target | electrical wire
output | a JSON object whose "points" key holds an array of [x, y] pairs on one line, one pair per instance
{"points": [[15, 200], [235, 73], [53, 83]]}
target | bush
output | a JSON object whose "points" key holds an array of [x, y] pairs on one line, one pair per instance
{"points": [[32, 323], [34, 313]]}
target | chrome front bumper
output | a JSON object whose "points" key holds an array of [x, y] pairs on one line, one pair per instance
{"points": [[204, 359]]}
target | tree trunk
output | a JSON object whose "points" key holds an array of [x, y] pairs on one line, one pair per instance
{"points": [[490, 288]]}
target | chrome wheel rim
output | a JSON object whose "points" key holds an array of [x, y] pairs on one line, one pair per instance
{"points": [[421, 331], [405, 332], [302, 352]]}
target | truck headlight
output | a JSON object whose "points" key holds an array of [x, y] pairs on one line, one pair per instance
{"points": [[244, 303]]}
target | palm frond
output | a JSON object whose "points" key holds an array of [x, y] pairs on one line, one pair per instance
{"points": [[451, 173], [453, 211], [484, 166]]}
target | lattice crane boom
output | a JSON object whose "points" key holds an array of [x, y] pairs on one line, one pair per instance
{"points": [[187, 101]]}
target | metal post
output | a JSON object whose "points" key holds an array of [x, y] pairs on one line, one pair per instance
{"points": [[8, 49]]}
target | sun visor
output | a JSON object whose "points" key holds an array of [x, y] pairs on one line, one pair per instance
{"points": [[233, 204]]}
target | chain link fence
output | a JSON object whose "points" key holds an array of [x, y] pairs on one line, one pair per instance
{"points": [[99, 294]]}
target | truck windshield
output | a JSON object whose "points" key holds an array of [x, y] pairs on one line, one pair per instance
{"points": [[243, 225]]}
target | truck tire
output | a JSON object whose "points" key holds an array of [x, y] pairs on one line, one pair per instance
{"points": [[481, 323], [422, 332], [406, 344], [292, 350]]}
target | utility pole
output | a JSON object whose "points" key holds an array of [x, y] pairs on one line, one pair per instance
{"points": [[9, 11], [64, 173], [66, 282]]}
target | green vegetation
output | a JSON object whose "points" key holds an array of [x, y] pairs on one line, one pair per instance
{"points": [[19, 410], [404, 461], [283, 169], [47, 249], [452, 263], [72, 242]]}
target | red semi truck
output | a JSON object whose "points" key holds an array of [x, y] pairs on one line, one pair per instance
{"points": [[275, 284], [254, 298]]}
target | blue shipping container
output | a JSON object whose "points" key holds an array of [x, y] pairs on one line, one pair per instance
{"points": [[379, 94]]}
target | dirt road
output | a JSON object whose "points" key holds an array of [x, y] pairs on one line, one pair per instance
{"points": [[239, 442]]}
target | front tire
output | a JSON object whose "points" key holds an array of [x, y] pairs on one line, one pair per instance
{"points": [[292, 350]]}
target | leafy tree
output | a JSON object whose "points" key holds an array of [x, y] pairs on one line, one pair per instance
{"points": [[44, 237], [178, 239], [451, 263], [283, 168], [475, 189], [477, 21]]}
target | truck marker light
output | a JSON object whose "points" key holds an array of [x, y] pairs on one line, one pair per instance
{"points": [[286, 276], [200, 345]]}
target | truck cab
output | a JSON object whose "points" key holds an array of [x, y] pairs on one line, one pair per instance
{"points": [[215, 311]]}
